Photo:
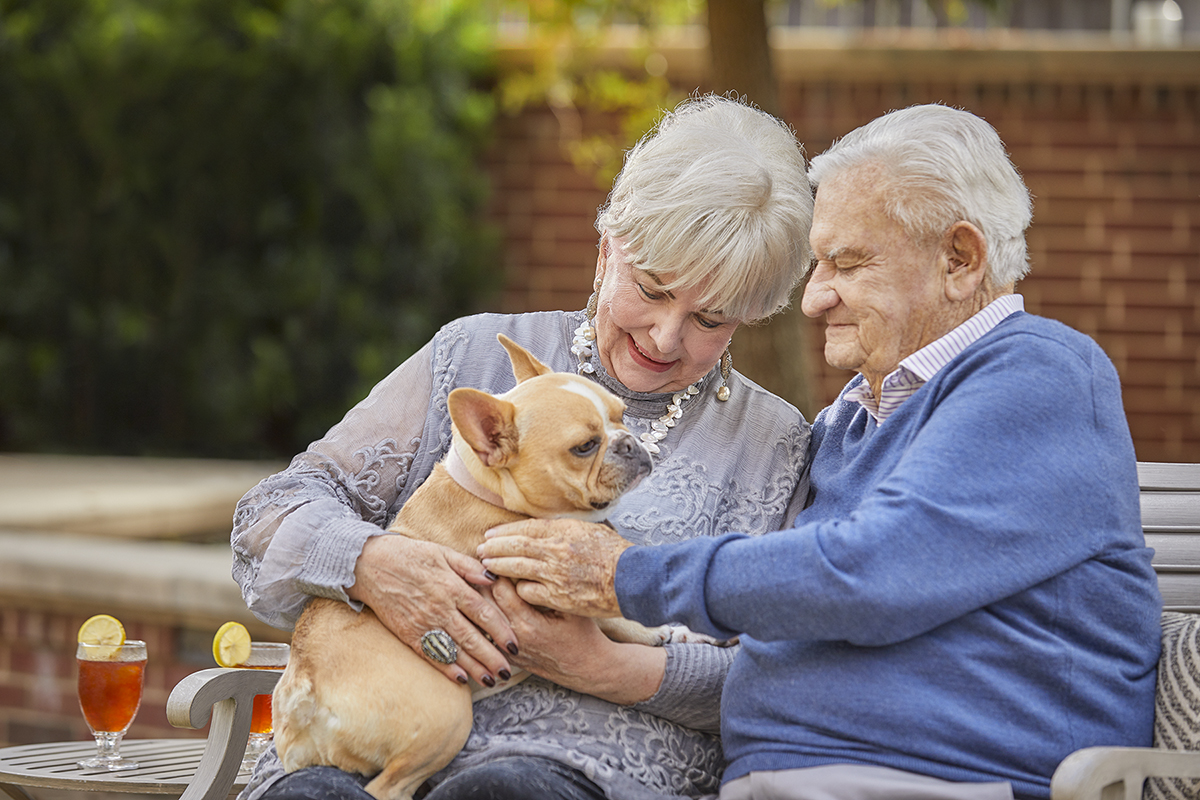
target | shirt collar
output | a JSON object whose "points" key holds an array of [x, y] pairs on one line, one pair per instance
{"points": [[920, 367]]}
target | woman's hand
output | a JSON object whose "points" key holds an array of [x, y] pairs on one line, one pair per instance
{"points": [[415, 587], [573, 652], [563, 564]]}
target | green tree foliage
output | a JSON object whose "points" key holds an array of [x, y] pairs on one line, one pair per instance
{"points": [[221, 221], [563, 38]]}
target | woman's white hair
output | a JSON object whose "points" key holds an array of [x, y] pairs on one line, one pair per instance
{"points": [[942, 165], [716, 196]]}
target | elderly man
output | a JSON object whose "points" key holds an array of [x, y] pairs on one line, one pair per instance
{"points": [[967, 597]]}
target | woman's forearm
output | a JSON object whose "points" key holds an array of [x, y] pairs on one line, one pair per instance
{"points": [[632, 674]]}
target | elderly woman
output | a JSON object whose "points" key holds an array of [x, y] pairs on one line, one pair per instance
{"points": [[706, 228]]}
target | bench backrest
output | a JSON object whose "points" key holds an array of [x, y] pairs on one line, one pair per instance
{"points": [[1170, 495]]}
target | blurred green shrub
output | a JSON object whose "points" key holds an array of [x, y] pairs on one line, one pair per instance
{"points": [[222, 221]]}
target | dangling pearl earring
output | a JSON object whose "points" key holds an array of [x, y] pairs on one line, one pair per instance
{"points": [[594, 300], [726, 368]]}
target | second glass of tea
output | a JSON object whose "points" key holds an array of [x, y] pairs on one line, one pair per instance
{"points": [[111, 678], [263, 655]]}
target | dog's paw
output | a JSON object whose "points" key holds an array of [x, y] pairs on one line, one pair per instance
{"points": [[678, 634], [622, 630]]}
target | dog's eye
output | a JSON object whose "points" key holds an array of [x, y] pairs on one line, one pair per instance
{"points": [[587, 448]]}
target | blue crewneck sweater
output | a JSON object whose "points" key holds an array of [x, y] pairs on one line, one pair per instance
{"points": [[969, 594]]}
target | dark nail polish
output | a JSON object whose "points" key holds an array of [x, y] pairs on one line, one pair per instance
{"points": [[511, 647], [489, 681], [491, 576], [461, 679], [504, 674]]}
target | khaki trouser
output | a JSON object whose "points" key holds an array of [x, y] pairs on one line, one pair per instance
{"points": [[855, 782]]}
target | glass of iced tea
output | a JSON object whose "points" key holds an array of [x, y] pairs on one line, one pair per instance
{"points": [[110, 691], [263, 655]]}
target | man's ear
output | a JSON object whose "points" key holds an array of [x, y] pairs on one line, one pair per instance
{"points": [[966, 261], [524, 365], [486, 423]]}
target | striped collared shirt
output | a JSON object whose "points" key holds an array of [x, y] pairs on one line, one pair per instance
{"points": [[918, 368]]}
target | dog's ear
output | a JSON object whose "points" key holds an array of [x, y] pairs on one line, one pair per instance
{"points": [[486, 423], [524, 365]]}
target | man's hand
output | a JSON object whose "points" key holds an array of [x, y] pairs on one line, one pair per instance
{"points": [[563, 564]]}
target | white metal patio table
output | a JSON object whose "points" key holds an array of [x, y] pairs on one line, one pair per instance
{"points": [[165, 766]]}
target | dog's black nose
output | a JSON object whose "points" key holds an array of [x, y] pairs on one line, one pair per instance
{"points": [[624, 445], [599, 506]]}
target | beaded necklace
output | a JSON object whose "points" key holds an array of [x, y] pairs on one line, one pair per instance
{"points": [[582, 345]]}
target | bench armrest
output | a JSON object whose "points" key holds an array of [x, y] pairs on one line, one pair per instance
{"points": [[1117, 773], [228, 696]]}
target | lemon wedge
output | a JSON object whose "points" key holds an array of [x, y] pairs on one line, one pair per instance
{"points": [[103, 632], [102, 629], [231, 645]]}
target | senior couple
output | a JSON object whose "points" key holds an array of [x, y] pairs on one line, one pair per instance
{"points": [[939, 590]]}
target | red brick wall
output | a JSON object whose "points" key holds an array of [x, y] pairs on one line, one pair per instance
{"points": [[546, 209], [1115, 244], [1109, 144]]}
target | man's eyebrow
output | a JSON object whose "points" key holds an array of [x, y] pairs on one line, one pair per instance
{"points": [[836, 253]]}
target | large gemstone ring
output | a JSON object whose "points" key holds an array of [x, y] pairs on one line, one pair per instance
{"points": [[438, 645]]}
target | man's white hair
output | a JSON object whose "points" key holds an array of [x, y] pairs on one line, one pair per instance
{"points": [[717, 196], [942, 165]]}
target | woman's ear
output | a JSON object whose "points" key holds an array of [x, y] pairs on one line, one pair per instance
{"points": [[966, 261], [602, 257]]}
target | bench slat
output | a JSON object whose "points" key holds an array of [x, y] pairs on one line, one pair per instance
{"points": [[1158, 476], [1175, 551], [1180, 591], [1170, 509]]}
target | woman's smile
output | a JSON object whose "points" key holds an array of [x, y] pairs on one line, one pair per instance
{"points": [[645, 361]]}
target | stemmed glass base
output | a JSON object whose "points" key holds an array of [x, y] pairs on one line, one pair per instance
{"points": [[256, 745], [108, 755]]}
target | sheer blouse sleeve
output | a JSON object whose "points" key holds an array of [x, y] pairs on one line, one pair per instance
{"points": [[300, 532], [690, 693]]}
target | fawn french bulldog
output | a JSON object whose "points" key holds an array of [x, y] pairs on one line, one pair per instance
{"points": [[354, 696]]}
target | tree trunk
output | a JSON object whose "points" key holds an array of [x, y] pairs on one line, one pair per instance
{"points": [[739, 55], [774, 355]]}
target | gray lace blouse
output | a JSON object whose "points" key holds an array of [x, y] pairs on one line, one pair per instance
{"points": [[734, 466]]}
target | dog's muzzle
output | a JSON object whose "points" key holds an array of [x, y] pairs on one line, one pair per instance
{"points": [[438, 645], [628, 453]]}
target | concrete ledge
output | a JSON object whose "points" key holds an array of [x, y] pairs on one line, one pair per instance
{"points": [[178, 582], [149, 498], [141, 536]]}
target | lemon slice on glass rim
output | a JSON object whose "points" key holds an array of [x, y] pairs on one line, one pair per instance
{"points": [[103, 632], [231, 645]]}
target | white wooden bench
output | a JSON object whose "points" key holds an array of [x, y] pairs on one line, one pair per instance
{"points": [[1171, 520], [1170, 496]]}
